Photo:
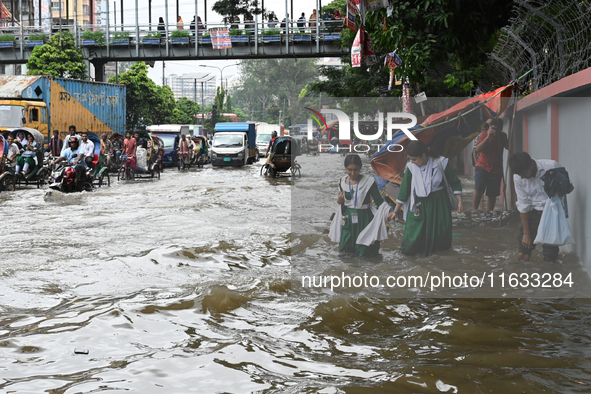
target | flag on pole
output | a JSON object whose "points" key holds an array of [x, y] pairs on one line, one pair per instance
{"points": [[7, 16]]}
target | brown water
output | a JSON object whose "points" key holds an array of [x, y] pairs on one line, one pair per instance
{"points": [[185, 286]]}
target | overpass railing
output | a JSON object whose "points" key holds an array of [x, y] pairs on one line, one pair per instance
{"points": [[139, 35]]}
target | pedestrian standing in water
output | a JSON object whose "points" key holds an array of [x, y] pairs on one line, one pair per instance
{"points": [[358, 225], [424, 195], [531, 200], [488, 172]]}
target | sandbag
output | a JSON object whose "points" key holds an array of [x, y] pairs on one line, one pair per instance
{"points": [[554, 228]]}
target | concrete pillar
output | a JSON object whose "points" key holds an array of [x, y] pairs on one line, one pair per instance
{"points": [[99, 70]]}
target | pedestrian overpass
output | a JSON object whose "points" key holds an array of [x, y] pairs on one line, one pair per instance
{"points": [[141, 43]]}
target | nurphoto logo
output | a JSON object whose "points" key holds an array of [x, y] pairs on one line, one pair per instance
{"points": [[344, 132]]}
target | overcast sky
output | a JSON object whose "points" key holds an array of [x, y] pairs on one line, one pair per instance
{"points": [[187, 10]]}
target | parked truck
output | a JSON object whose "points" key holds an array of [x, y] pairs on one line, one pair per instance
{"points": [[234, 144], [46, 103], [264, 135]]}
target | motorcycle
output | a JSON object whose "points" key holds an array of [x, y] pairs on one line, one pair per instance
{"points": [[63, 178]]}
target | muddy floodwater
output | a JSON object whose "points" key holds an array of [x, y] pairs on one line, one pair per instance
{"points": [[186, 285]]}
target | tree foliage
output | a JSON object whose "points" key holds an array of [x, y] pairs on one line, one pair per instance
{"points": [[147, 103], [231, 8], [187, 111], [59, 57], [272, 81], [443, 45], [340, 5]]}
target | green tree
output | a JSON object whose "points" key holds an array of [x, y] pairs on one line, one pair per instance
{"points": [[59, 57], [229, 104], [271, 114], [340, 5], [187, 111], [231, 8], [164, 107], [270, 81], [443, 45], [147, 103]]}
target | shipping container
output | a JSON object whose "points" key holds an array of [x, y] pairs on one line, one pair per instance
{"points": [[46, 103]]}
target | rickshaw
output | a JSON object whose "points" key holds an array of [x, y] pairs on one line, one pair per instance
{"points": [[302, 140], [100, 172], [6, 176], [158, 149], [282, 161], [41, 171], [201, 153], [312, 146], [115, 163], [147, 160]]}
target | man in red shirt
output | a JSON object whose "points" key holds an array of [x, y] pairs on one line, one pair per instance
{"points": [[129, 147], [489, 167]]}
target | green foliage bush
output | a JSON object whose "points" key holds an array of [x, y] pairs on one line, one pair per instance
{"points": [[97, 36], [6, 37], [271, 32], [155, 34], [37, 37], [180, 34], [236, 32], [120, 35]]}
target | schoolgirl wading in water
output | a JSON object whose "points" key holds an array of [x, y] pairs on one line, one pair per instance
{"points": [[359, 224]]}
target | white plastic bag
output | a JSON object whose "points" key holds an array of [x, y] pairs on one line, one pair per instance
{"points": [[554, 228], [142, 158]]}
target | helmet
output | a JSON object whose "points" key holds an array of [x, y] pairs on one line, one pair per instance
{"points": [[274, 134], [74, 139]]}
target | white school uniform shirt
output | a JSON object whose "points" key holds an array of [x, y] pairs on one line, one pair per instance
{"points": [[12, 152], [530, 191], [88, 148]]}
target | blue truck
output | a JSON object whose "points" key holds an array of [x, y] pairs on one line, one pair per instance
{"points": [[234, 144]]}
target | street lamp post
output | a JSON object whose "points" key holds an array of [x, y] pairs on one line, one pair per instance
{"points": [[199, 77], [221, 72]]}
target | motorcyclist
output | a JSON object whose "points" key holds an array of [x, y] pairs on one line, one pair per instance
{"points": [[74, 155]]}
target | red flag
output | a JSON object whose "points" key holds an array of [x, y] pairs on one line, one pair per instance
{"points": [[357, 48]]}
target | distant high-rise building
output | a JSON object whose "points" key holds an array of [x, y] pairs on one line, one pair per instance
{"points": [[86, 12], [182, 86]]}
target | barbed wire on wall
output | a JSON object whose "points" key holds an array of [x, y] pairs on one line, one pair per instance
{"points": [[550, 37]]}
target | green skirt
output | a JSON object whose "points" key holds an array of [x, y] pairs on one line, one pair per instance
{"points": [[21, 160], [350, 231], [429, 230]]}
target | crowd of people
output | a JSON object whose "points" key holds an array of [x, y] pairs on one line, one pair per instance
{"points": [[272, 22], [430, 190]]}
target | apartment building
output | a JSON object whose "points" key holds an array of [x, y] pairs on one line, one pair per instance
{"points": [[184, 86]]}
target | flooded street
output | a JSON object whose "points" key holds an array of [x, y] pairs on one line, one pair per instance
{"points": [[187, 285]]}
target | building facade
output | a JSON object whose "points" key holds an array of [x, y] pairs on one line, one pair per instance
{"points": [[183, 86]]}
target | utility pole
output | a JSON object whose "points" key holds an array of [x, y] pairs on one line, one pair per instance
{"points": [[163, 77]]}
